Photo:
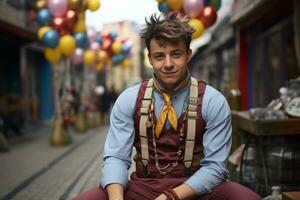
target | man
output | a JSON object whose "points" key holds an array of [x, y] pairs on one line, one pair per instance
{"points": [[180, 127]]}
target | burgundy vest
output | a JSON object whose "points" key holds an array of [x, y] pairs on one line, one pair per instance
{"points": [[168, 142]]}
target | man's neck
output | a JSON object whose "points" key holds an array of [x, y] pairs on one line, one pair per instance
{"points": [[176, 87]]}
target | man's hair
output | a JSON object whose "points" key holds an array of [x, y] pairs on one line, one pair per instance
{"points": [[171, 27]]}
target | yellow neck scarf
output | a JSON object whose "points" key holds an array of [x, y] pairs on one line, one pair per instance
{"points": [[167, 110]]}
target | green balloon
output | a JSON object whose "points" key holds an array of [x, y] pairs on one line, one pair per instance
{"points": [[216, 4]]}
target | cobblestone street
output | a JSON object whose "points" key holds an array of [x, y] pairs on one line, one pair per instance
{"points": [[35, 170]]}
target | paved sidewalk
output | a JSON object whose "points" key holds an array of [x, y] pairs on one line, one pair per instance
{"points": [[35, 170]]}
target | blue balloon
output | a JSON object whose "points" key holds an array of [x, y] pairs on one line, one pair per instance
{"points": [[44, 17], [118, 58], [163, 7], [113, 35], [81, 40], [99, 39], [125, 49], [51, 39]]}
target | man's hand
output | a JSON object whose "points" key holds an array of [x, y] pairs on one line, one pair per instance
{"points": [[162, 197], [115, 191]]}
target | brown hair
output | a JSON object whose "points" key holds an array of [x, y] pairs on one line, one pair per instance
{"points": [[171, 28]]}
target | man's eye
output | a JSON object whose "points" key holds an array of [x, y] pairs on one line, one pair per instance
{"points": [[159, 57], [176, 55]]}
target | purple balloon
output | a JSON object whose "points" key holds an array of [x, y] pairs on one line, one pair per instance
{"points": [[94, 46], [91, 34], [77, 56], [58, 7], [193, 7]]}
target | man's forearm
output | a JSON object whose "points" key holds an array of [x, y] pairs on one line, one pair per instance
{"points": [[115, 191], [184, 191]]}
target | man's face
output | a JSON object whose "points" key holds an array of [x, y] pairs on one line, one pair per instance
{"points": [[169, 61]]}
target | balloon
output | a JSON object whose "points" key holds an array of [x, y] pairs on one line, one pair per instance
{"points": [[79, 26], [94, 46], [58, 7], [113, 35], [163, 7], [89, 57], [100, 67], [60, 24], [42, 31], [106, 45], [44, 17], [51, 38], [40, 4], [102, 56], [93, 5], [216, 4], [117, 47], [52, 55], [160, 1], [208, 16], [126, 63], [198, 26], [91, 34], [174, 4], [125, 49], [193, 8], [67, 45], [118, 58], [99, 38], [77, 56], [75, 4], [81, 40], [71, 18]]}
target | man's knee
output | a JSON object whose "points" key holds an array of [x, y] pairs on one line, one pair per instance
{"points": [[93, 194], [234, 191]]}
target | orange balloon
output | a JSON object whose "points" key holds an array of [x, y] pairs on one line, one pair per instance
{"points": [[174, 4]]}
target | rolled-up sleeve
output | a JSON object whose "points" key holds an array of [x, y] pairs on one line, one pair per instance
{"points": [[216, 144], [119, 141]]}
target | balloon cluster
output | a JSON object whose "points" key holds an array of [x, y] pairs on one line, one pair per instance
{"points": [[60, 21], [101, 49], [202, 13]]}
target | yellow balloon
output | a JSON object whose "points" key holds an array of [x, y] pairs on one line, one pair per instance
{"points": [[80, 26], [117, 47], [52, 55], [174, 4], [198, 26], [42, 31], [100, 67], [93, 5], [89, 57], [160, 1], [102, 56], [75, 4], [40, 4], [67, 44], [126, 63]]}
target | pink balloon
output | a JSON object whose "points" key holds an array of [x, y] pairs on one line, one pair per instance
{"points": [[77, 56], [95, 46], [58, 7], [91, 34], [193, 8]]}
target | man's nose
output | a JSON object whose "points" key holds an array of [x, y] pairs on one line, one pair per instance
{"points": [[169, 62]]}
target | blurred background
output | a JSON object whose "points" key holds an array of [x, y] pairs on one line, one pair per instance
{"points": [[64, 63]]}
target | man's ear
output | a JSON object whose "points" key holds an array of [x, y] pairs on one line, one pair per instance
{"points": [[189, 52], [149, 58]]}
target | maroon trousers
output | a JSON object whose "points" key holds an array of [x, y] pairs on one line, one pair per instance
{"points": [[149, 189]]}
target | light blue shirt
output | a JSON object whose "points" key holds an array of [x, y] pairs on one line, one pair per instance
{"points": [[216, 139]]}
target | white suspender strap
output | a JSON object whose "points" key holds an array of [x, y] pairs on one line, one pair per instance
{"points": [[191, 128], [146, 102]]}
